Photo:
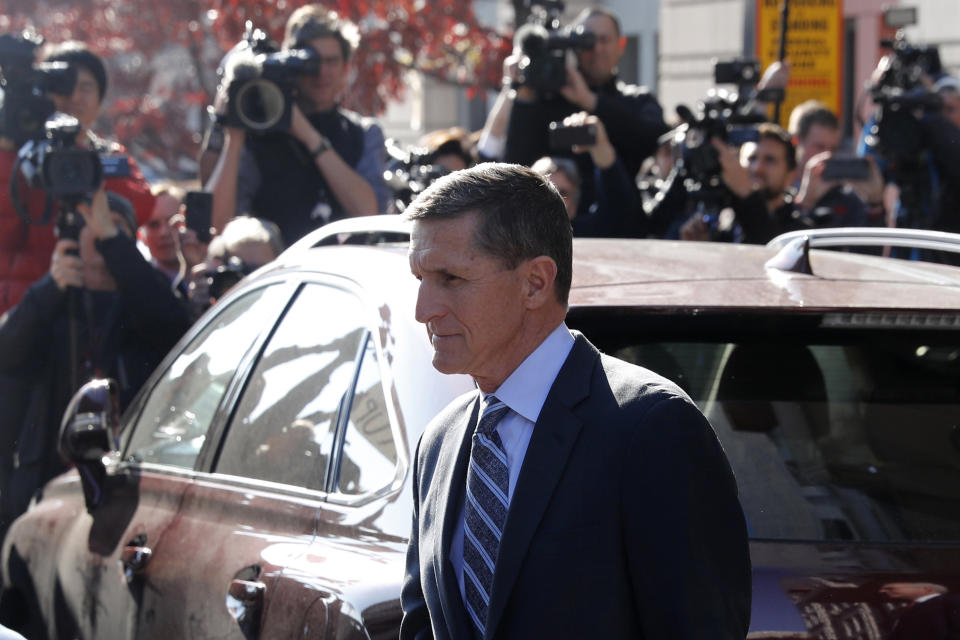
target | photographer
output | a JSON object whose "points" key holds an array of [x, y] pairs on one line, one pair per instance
{"points": [[853, 203], [25, 249], [615, 211], [327, 166], [759, 179], [122, 320], [632, 117], [245, 245]]}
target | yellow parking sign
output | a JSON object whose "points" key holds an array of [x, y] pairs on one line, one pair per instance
{"points": [[814, 50]]}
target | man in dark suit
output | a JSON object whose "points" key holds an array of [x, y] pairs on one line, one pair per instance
{"points": [[931, 612], [575, 495]]}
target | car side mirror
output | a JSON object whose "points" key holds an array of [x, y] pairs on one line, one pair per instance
{"points": [[89, 435]]}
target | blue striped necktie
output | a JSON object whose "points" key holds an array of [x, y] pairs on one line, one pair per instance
{"points": [[485, 511]]}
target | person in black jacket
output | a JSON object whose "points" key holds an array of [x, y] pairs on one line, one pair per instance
{"points": [[762, 198], [615, 212], [631, 115], [931, 612], [126, 319]]}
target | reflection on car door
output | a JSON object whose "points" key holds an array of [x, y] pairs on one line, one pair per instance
{"points": [[255, 514], [105, 559]]}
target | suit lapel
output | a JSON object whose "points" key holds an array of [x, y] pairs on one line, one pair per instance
{"points": [[554, 435], [452, 467]]}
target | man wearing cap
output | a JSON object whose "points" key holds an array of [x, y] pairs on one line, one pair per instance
{"points": [[126, 319]]}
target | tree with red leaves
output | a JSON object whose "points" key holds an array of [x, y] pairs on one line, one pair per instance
{"points": [[162, 55]]}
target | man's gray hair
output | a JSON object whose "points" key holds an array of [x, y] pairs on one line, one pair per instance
{"points": [[520, 215], [249, 230]]}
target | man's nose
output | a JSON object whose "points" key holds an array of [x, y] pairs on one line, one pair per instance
{"points": [[427, 305]]}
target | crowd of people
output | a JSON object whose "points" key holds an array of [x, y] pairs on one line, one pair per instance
{"points": [[114, 300]]}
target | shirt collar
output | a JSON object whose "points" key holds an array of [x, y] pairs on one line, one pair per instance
{"points": [[526, 389], [929, 596]]}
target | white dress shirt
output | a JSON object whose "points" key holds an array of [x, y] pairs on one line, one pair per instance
{"points": [[524, 392]]}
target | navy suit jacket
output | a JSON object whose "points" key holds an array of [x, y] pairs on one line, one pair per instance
{"points": [[935, 619], [624, 522]]}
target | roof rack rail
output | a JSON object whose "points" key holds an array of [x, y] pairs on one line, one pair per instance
{"points": [[794, 247], [872, 237], [360, 230]]}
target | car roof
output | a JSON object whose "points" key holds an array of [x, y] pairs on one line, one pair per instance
{"points": [[660, 274], [674, 274]]}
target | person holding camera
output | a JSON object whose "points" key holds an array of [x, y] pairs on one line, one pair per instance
{"points": [[631, 116], [25, 249], [245, 245], [831, 200], [327, 166], [615, 211], [758, 177], [764, 202], [101, 311]]}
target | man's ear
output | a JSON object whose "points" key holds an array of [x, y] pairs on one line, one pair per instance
{"points": [[621, 45], [540, 281]]}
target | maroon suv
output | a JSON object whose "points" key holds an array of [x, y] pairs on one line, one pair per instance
{"points": [[259, 485]]}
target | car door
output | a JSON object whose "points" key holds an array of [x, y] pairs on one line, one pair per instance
{"points": [[254, 512], [103, 561]]}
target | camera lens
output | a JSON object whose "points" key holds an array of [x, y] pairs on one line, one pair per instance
{"points": [[68, 172]]}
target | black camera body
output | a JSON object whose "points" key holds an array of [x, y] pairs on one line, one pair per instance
{"points": [[260, 82], [724, 115], [409, 172], [721, 117], [739, 72], [27, 85], [56, 165], [565, 137], [224, 277], [544, 45]]}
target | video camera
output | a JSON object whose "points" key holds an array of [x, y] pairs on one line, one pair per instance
{"points": [[729, 116], [259, 79], [544, 45], [56, 165], [27, 85], [898, 93]]}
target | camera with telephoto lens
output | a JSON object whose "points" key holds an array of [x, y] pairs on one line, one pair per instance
{"points": [[260, 82], [27, 86], [56, 165], [544, 45]]}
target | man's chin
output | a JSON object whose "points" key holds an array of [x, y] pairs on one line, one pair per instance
{"points": [[445, 365]]}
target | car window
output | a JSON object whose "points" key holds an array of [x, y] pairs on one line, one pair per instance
{"points": [[178, 412], [284, 425], [368, 460], [850, 440]]}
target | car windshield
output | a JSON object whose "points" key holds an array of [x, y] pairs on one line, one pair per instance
{"points": [[833, 432]]}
